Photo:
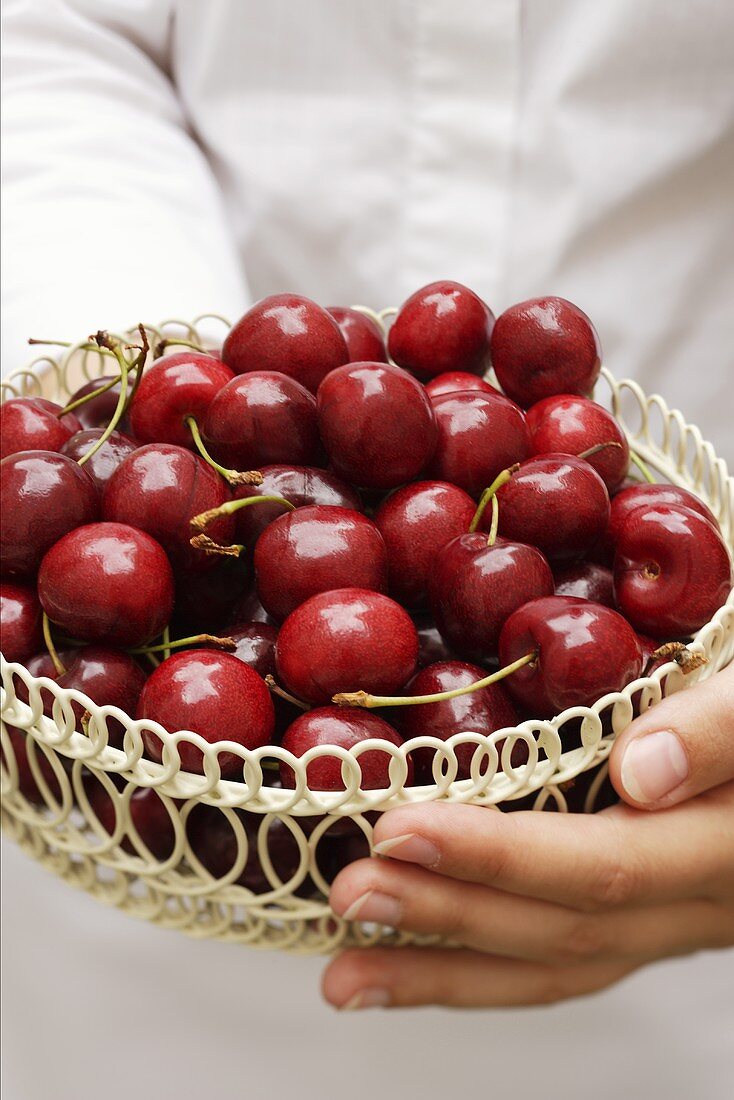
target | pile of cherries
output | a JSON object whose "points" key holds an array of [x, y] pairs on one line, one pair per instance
{"points": [[313, 538]]}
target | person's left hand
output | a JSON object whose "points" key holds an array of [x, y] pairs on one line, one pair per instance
{"points": [[545, 906]]}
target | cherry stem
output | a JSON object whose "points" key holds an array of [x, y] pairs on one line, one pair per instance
{"points": [[488, 494], [166, 642], [364, 699], [684, 657], [138, 366], [169, 342], [56, 660], [201, 541], [642, 467], [491, 537], [278, 690], [234, 477], [196, 639], [600, 447], [121, 400]]}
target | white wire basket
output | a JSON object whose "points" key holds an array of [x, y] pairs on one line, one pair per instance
{"points": [[279, 848]]}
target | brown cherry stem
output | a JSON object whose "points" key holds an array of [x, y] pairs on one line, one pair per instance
{"points": [[234, 477], [600, 447], [642, 467], [278, 690], [684, 657], [488, 494], [170, 342], [196, 639], [56, 660], [364, 699], [201, 540], [138, 366]]}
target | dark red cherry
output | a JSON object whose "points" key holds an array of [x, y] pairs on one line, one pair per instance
{"points": [[42, 665], [346, 640], [479, 435], [543, 347], [207, 601], [588, 581], [649, 496], [26, 780], [363, 336], [174, 388], [431, 646], [103, 463], [42, 496], [567, 424], [672, 570], [555, 502], [346, 727], [33, 424], [287, 333], [584, 651], [99, 410], [20, 622], [110, 678], [377, 424], [260, 418], [159, 488], [316, 549], [484, 711], [457, 381], [215, 844], [148, 814], [255, 644], [247, 608], [475, 587], [212, 694], [416, 522], [107, 583], [442, 327]]}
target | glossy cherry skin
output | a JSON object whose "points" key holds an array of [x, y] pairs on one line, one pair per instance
{"points": [[301, 485], [363, 336], [416, 522], [171, 390], [107, 583], [32, 424], [159, 488], [20, 622], [649, 496], [475, 587], [479, 435], [588, 581], [27, 784], [484, 711], [103, 463], [442, 327], [288, 333], [543, 347], [316, 549], [149, 816], [206, 601], [110, 678], [672, 570], [345, 727], [377, 424], [431, 646], [346, 640], [98, 411], [555, 502], [212, 694], [260, 418], [42, 496], [215, 845], [255, 645], [567, 424], [584, 651], [457, 381]]}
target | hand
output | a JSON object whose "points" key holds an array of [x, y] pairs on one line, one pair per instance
{"points": [[548, 906]]}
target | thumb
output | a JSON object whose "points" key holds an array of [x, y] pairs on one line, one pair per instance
{"points": [[682, 746]]}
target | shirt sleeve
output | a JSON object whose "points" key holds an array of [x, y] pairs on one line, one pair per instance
{"points": [[111, 212]]}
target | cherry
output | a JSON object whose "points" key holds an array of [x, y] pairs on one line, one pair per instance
{"points": [[479, 434], [110, 678], [33, 424], [247, 608], [442, 327], [583, 651], [315, 549], [207, 601], [431, 646], [42, 496], [97, 411], [263, 417], [348, 638], [27, 784], [543, 347], [588, 581], [474, 587], [363, 336], [214, 843], [416, 522], [212, 694], [103, 463], [571, 425], [556, 502], [457, 381], [255, 645], [345, 728], [288, 333], [20, 622], [158, 489], [631, 498], [42, 665], [148, 813], [672, 570], [484, 711], [109, 583], [300, 485], [172, 390], [377, 424]]}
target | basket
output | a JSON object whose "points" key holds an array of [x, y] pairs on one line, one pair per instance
{"points": [[285, 846]]}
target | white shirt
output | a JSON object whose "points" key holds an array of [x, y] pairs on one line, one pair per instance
{"points": [[168, 157]]}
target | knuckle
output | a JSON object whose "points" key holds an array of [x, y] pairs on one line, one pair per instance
{"points": [[584, 940], [616, 882]]}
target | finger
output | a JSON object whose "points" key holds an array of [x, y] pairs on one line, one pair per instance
{"points": [[384, 977], [678, 748], [586, 861], [483, 919]]}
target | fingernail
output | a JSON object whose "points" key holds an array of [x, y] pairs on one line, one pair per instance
{"points": [[375, 906], [373, 997], [411, 848], [653, 766]]}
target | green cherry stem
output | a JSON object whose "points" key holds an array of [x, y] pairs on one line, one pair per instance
{"points": [[196, 639], [56, 660], [234, 477], [364, 699], [201, 540], [170, 342], [642, 467], [488, 494], [138, 366], [600, 447], [121, 400], [166, 636], [492, 536]]}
